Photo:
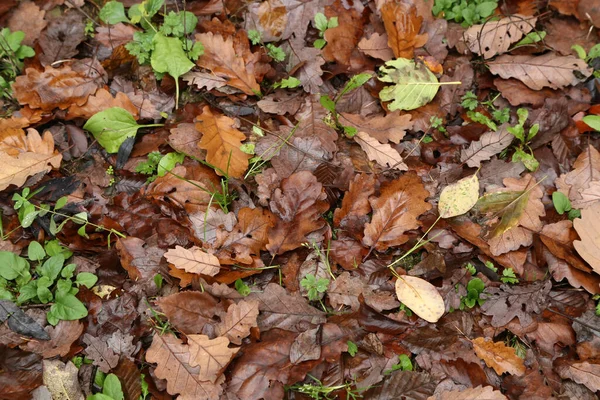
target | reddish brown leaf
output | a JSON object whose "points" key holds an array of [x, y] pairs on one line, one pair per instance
{"points": [[100, 102], [30, 19], [239, 319], [342, 40], [192, 312], [212, 356], [62, 336], [402, 24], [98, 350], [498, 356]]}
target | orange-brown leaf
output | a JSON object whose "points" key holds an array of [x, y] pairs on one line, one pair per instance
{"points": [[222, 143], [402, 25], [193, 260], [100, 102], [498, 356], [396, 211], [211, 355], [239, 319]]}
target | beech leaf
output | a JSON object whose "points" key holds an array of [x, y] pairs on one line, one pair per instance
{"points": [[459, 197], [421, 297], [382, 154], [495, 37], [193, 260], [414, 85]]}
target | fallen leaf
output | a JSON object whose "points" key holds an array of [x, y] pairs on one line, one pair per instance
{"points": [[498, 356], [488, 145], [222, 142], [581, 182], [495, 37], [486, 392], [402, 24], [298, 204], [345, 291], [220, 57], [204, 80], [211, 355], [306, 62], [193, 260], [61, 37], [61, 336], [100, 101], [173, 360], [396, 211], [281, 102], [391, 127], [353, 214], [192, 312], [98, 350], [589, 245], [342, 39], [239, 319], [30, 19], [113, 36], [404, 385], [277, 20], [25, 155], [585, 373], [459, 197], [382, 154], [414, 85], [61, 380], [537, 72], [421, 297], [376, 46]]}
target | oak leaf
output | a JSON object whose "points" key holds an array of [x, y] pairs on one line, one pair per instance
{"points": [[192, 312], [376, 46], [281, 102], [173, 360], [61, 37], [211, 355], [58, 87], [391, 127], [306, 62], [537, 72], [193, 260], [220, 57], [142, 262], [277, 20], [30, 19], [240, 317], [396, 211], [476, 393], [402, 24], [495, 37], [488, 145], [498, 356], [382, 153], [404, 385], [222, 142], [24, 155], [342, 39], [101, 101], [581, 182], [587, 228], [585, 373], [204, 80], [353, 214], [97, 349], [298, 204]]}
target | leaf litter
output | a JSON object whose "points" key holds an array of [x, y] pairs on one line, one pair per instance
{"points": [[299, 200]]}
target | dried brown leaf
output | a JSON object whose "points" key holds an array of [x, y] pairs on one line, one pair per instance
{"points": [[376, 46], [383, 154], [402, 24], [589, 245], [580, 183], [476, 393], [191, 312], [498, 356], [586, 373], [211, 355], [239, 319], [100, 101], [391, 127], [98, 350], [193, 260], [495, 37], [488, 145], [30, 19]]}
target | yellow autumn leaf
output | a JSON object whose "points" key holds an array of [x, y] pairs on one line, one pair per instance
{"points": [[459, 197], [421, 297]]}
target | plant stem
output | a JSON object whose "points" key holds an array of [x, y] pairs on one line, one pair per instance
{"points": [[86, 222]]}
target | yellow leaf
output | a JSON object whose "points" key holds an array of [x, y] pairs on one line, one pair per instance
{"points": [[498, 356], [193, 260], [421, 297], [458, 198]]}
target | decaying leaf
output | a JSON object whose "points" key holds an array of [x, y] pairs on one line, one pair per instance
{"points": [[580, 183], [476, 393], [193, 260], [239, 319], [402, 24], [391, 127], [488, 145], [586, 373], [421, 297], [495, 37], [459, 197], [382, 154], [61, 380], [222, 142], [587, 228], [537, 72], [211, 355], [498, 356], [396, 211]]}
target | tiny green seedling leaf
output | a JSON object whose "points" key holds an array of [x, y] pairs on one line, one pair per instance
{"points": [[561, 202], [593, 121], [352, 348], [112, 13], [288, 83], [459, 197], [421, 297], [532, 37]]}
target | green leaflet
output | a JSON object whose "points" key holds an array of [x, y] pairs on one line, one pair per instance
{"points": [[168, 57], [414, 84]]}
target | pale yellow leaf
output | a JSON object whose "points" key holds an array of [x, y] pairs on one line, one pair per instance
{"points": [[382, 154], [459, 197], [193, 260], [212, 356], [589, 231], [61, 380], [495, 37], [421, 297], [498, 356]]}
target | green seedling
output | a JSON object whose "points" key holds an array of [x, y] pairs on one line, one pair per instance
{"points": [[465, 12], [562, 204], [322, 24], [523, 153]]}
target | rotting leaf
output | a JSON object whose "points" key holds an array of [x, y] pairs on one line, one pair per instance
{"points": [[495, 37], [382, 153], [421, 297], [498, 356], [459, 197]]}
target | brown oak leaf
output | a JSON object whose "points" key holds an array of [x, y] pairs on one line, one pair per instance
{"points": [[391, 127], [402, 24], [193, 260], [98, 350], [192, 312], [211, 355], [583, 179], [100, 101], [240, 317], [499, 356]]}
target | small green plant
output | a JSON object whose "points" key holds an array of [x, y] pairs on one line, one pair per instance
{"points": [[288, 83], [352, 348], [516, 343], [466, 12], [52, 283], [404, 364], [508, 276], [159, 165], [166, 47], [470, 103], [111, 388], [12, 54], [110, 171], [315, 287], [319, 391], [597, 298], [322, 24], [275, 52], [330, 105], [587, 56], [562, 204], [437, 123], [241, 287], [523, 153], [407, 311], [471, 268], [475, 289], [28, 212]]}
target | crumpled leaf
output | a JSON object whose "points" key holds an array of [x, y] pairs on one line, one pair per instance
{"points": [[495, 37], [408, 385], [587, 228], [61, 380], [24, 155], [391, 127], [582, 181], [414, 85], [101, 101], [30, 19], [376, 46], [342, 39], [498, 356], [459, 197], [396, 211], [222, 142], [488, 145], [277, 20], [97, 349], [204, 80], [61, 337], [306, 62], [537, 72], [61, 37], [382, 154], [193, 260], [403, 24], [421, 297], [586, 373], [211, 355], [174, 364]]}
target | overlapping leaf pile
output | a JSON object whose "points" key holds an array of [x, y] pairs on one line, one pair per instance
{"points": [[290, 233]]}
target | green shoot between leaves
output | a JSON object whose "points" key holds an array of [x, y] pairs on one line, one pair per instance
{"points": [[322, 24]]}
